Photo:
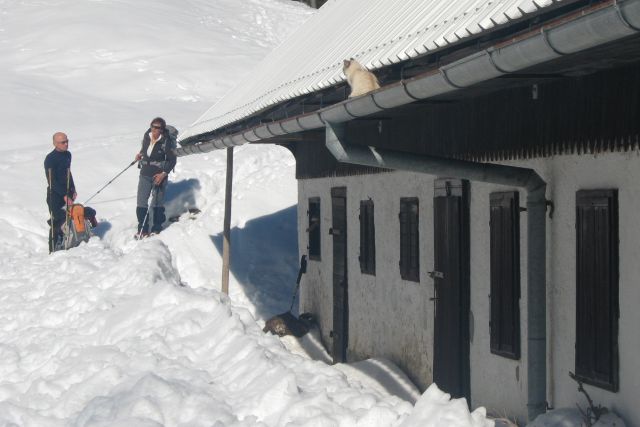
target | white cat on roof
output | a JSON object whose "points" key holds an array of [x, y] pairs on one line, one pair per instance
{"points": [[359, 78]]}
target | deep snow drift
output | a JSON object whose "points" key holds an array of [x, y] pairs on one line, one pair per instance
{"points": [[124, 333]]}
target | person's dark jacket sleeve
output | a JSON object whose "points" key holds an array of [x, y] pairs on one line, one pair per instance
{"points": [[72, 185]]}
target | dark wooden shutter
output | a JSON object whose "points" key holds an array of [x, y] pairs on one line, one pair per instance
{"points": [[505, 274], [597, 288], [367, 238], [314, 228], [409, 239]]}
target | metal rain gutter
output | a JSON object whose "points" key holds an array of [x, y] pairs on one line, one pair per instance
{"points": [[535, 187], [603, 23]]}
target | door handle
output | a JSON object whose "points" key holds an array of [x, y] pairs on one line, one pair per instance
{"points": [[436, 274]]}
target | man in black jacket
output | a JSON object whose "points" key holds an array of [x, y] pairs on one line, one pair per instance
{"points": [[61, 190], [157, 158]]}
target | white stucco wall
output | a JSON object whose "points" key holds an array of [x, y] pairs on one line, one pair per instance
{"points": [[497, 382], [565, 175], [570, 174], [388, 317], [393, 318]]}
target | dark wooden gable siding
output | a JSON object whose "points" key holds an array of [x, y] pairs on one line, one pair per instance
{"points": [[591, 113], [597, 288], [505, 274], [597, 112]]}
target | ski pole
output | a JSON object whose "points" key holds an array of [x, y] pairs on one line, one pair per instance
{"points": [[113, 179], [51, 230], [66, 209]]}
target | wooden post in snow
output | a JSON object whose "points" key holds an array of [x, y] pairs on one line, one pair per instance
{"points": [[226, 243]]}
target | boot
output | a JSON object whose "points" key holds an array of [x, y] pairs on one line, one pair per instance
{"points": [[56, 237], [90, 214], [59, 243], [158, 220]]}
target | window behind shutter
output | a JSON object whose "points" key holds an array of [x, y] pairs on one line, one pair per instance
{"points": [[505, 274], [409, 239], [367, 238], [314, 228], [597, 288]]}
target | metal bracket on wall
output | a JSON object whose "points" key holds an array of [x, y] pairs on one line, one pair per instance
{"points": [[551, 206]]}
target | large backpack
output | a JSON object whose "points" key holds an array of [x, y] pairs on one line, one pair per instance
{"points": [[172, 143], [76, 229], [173, 137]]}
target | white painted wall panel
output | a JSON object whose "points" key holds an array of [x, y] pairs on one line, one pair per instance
{"points": [[393, 318], [497, 382], [389, 317], [573, 173]]}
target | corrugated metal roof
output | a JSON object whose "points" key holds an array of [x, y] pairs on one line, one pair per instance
{"points": [[377, 33]]}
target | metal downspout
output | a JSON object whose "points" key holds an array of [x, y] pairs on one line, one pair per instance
{"points": [[524, 178]]}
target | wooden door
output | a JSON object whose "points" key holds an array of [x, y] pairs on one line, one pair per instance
{"points": [[338, 230], [451, 278]]}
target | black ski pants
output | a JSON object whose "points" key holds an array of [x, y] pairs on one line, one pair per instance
{"points": [[57, 217]]}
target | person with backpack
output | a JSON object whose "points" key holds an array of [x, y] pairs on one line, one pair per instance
{"points": [[61, 190], [157, 157], [61, 194]]}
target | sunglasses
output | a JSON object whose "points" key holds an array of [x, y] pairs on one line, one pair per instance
{"points": [[156, 127], [66, 141]]}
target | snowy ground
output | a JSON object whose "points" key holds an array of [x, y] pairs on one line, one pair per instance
{"points": [[124, 333]]}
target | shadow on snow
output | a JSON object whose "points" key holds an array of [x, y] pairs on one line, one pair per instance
{"points": [[180, 196], [264, 260]]}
